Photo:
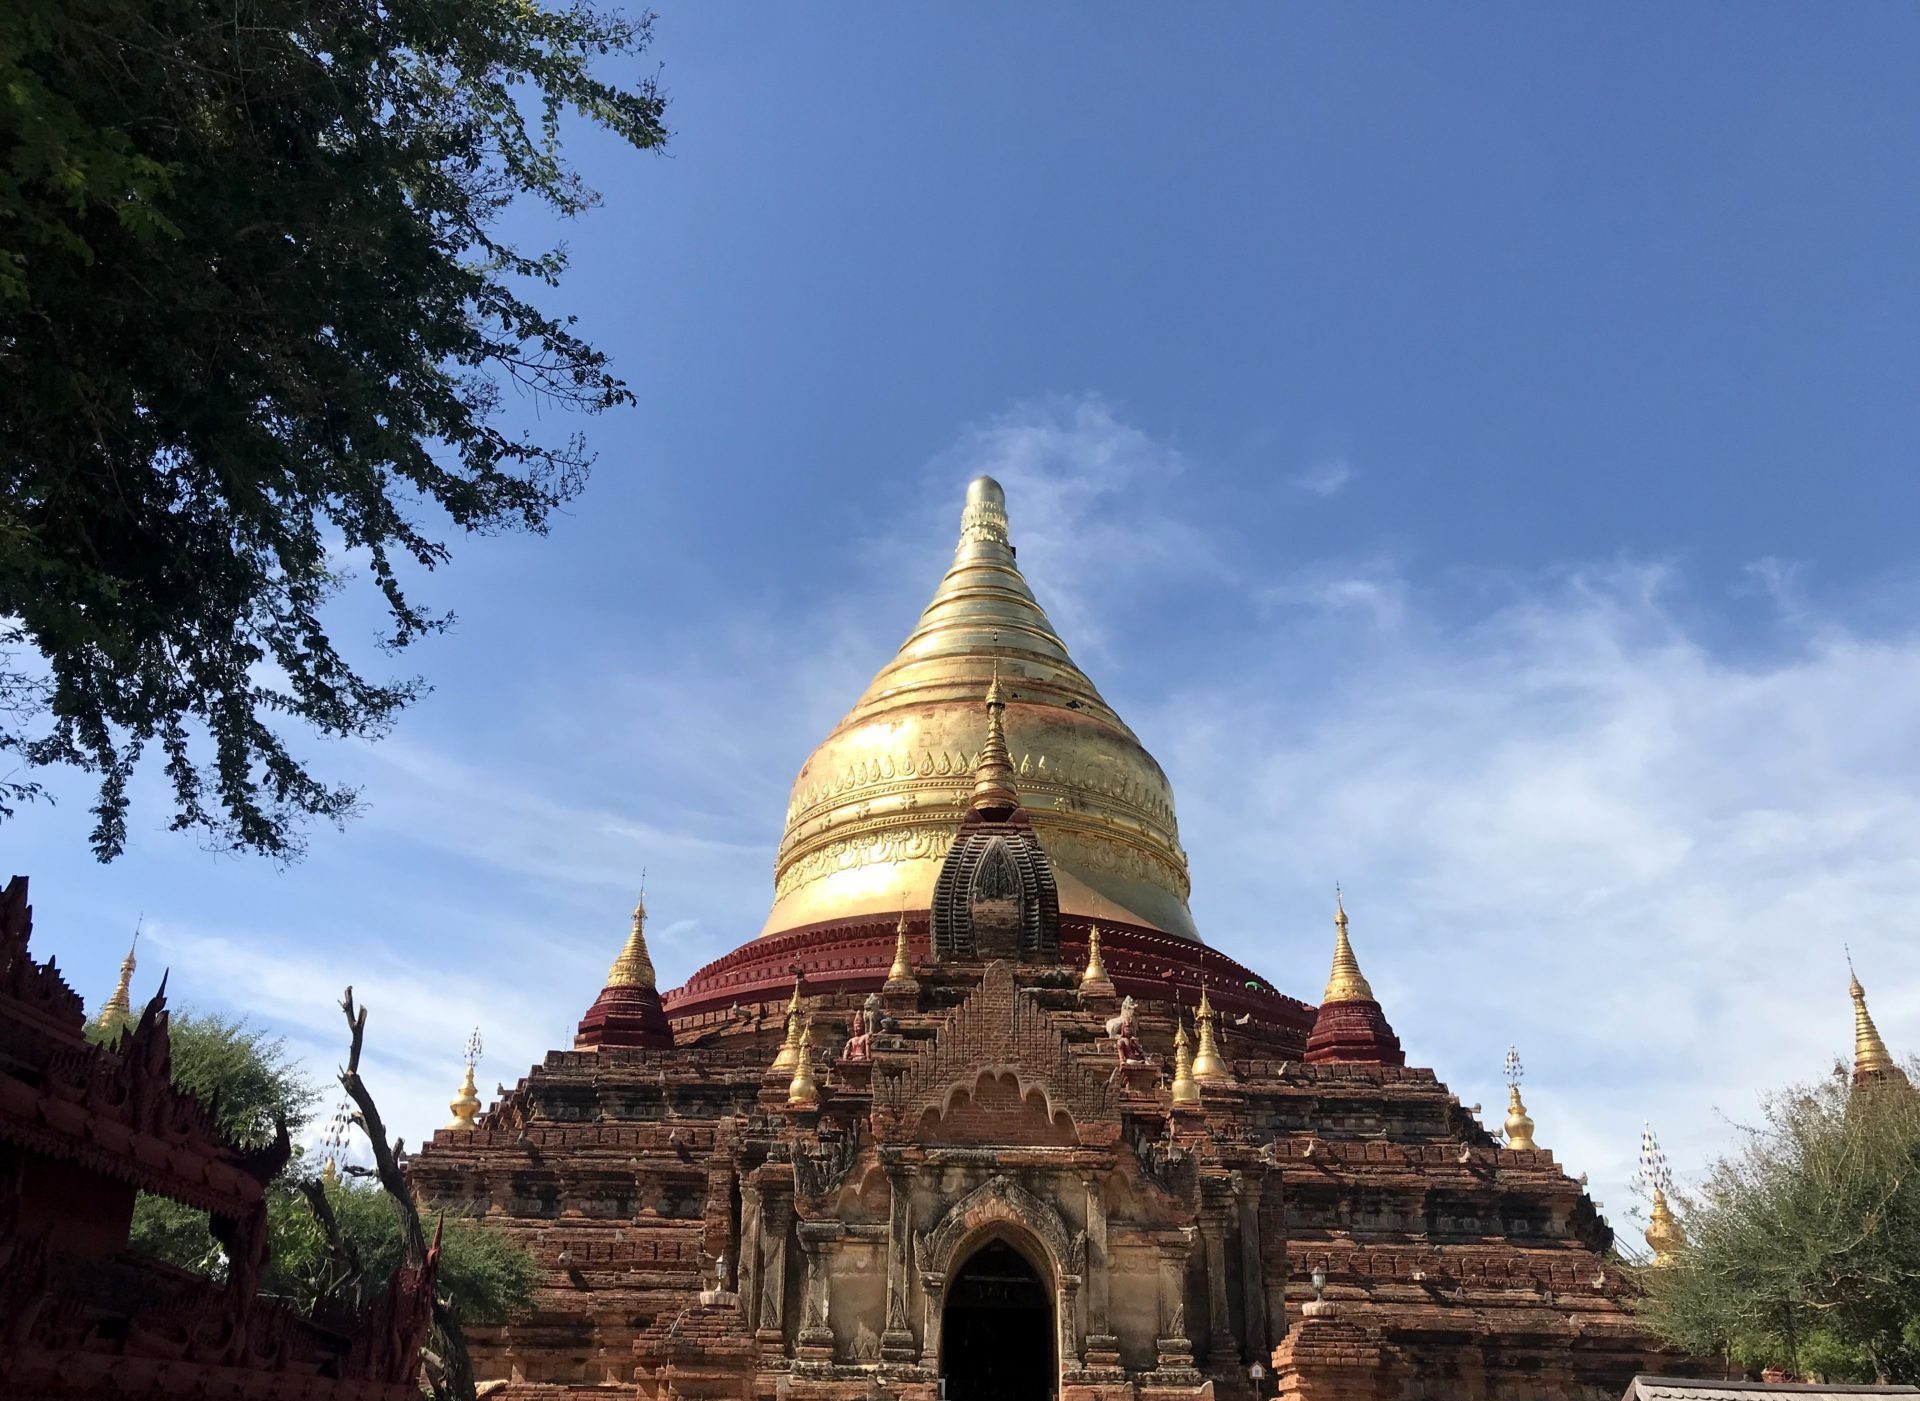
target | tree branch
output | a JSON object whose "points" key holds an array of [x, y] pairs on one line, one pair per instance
{"points": [[452, 1376]]}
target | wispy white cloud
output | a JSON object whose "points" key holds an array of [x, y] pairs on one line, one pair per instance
{"points": [[1571, 823], [1328, 478], [1372, 592], [420, 1010]]}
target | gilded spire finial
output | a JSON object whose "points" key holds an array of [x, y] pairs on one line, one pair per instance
{"points": [[1519, 1124], [1185, 1089], [1345, 984], [119, 1004], [993, 771], [801, 1090], [789, 1054], [984, 516], [634, 967], [1871, 1059], [1655, 1179], [1095, 972], [902, 970], [466, 1103], [1207, 1061]]}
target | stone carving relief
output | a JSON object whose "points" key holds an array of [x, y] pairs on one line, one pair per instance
{"points": [[998, 1200], [999, 1030]]}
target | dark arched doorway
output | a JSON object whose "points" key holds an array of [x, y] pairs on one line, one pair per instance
{"points": [[996, 1336]]}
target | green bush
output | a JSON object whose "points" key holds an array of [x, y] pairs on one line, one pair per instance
{"points": [[1803, 1247]]}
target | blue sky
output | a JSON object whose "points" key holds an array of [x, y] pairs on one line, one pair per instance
{"points": [[1473, 448]]}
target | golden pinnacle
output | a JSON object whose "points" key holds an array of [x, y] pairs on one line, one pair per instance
{"points": [[1096, 971], [1207, 1061], [802, 1093], [1185, 1089], [466, 1104], [789, 1053]]}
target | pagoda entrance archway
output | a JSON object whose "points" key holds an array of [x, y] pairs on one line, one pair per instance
{"points": [[997, 1330]]}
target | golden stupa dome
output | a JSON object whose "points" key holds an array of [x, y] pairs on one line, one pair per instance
{"points": [[878, 803]]}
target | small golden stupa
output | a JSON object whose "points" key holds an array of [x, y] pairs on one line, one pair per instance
{"points": [[788, 1056], [1663, 1234], [1186, 1090], [901, 974], [1095, 973], [1519, 1123], [1207, 1061], [802, 1093], [466, 1102]]}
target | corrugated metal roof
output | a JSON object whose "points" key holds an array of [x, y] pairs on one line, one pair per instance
{"points": [[1680, 1389]]}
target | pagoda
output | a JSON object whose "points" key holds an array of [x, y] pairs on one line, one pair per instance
{"points": [[980, 1114]]}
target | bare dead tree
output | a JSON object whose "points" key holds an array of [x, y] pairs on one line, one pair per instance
{"points": [[449, 1368], [346, 1272]]}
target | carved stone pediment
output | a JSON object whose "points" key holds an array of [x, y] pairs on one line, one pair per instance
{"points": [[1000, 1201], [998, 1030]]}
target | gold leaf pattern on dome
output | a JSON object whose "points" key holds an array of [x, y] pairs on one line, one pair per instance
{"points": [[907, 752], [1156, 804]]}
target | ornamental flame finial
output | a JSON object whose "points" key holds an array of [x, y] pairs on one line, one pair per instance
{"points": [[1872, 1062], [1345, 984], [1519, 1124]]}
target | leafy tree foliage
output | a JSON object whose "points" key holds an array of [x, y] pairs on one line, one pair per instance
{"points": [[256, 313], [253, 1084], [1803, 1248], [247, 1075], [488, 1277]]}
